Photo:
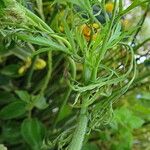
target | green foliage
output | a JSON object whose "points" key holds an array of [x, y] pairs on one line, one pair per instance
{"points": [[23, 95], [13, 110], [92, 59], [125, 118], [65, 113], [10, 70], [40, 102], [7, 97], [123, 124], [33, 133], [8, 128], [41, 41], [90, 147]]}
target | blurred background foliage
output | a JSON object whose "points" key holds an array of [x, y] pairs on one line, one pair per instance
{"points": [[129, 127]]}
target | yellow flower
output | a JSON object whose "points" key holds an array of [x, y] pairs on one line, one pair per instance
{"points": [[22, 70], [109, 7], [95, 25], [40, 64], [27, 64], [86, 30]]}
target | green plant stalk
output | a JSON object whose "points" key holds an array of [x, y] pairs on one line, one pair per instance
{"points": [[30, 73], [48, 76], [80, 131], [40, 8], [79, 134], [104, 45]]}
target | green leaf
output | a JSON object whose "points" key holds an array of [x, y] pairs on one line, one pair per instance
{"points": [[40, 102], [124, 142], [66, 111], [68, 33], [39, 40], [41, 50], [8, 128], [23, 95], [33, 133], [13, 110], [126, 119], [136, 122], [6, 97], [90, 147], [11, 70]]}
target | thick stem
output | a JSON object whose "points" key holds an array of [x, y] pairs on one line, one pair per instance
{"points": [[80, 131], [79, 134]]}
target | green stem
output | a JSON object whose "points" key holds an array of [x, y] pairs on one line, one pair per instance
{"points": [[48, 76], [80, 131], [40, 8], [79, 134], [29, 77], [104, 45]]}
